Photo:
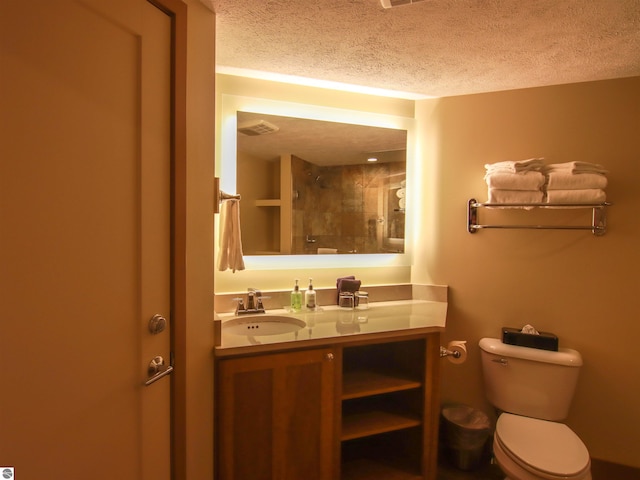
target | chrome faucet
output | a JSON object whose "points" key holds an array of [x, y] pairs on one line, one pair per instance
{"points": [[253, 305]]}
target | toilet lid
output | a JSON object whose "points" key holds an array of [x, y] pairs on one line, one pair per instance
{"points": [[545, 446]]}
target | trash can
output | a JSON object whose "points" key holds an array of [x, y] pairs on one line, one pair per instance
{"points": [[465, 431]]}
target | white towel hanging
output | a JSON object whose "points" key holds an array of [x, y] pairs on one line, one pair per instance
{"points": [[230, 254]]}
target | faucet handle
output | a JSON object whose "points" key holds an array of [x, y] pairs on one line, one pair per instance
{"points": [[240, 307]]}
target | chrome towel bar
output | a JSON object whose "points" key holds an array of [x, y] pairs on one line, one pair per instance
{"points": [[598, 219]]}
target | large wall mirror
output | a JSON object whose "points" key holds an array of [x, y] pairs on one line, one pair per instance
{"points": [[318, 187], [308, 187]]}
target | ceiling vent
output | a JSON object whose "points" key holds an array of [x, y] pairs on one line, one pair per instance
{"points": [[257, 127], [397, 3]]}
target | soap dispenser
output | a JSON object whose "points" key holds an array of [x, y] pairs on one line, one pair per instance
{"points": [[310, 296], [296, 298]]}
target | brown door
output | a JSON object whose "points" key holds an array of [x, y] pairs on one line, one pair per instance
{"points": [[85, 229]]}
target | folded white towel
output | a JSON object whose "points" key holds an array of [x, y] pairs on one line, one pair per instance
{"points": [[230, 254], [515, 196], [530, 180], [563, 180], [515, 166], [588, 195], [576, 167]]}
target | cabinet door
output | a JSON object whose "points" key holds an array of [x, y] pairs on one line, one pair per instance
{"points": [[276, 415]]}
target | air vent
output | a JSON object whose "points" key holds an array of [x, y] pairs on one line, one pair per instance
{"points": [[397, 3], [257, 127]]}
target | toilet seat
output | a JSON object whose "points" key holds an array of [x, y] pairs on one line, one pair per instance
{"points": [[545, 449]]}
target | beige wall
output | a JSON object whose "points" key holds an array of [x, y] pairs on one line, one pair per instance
{"points": [[571, 283], [581, 287], [200, 153]]}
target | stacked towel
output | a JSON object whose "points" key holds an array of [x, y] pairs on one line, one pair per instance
{"points": [[575, 182], [515, 181], [518, 166], [576, 167], [583, 195]]}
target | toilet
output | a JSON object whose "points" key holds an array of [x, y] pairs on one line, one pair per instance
{"points": [[533, 389]]}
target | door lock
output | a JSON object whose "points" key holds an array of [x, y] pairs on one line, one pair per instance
{"points": [[157, 324], [157, 369]]}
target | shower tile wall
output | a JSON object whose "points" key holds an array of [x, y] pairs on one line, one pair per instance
{"points": [[343, 207]]}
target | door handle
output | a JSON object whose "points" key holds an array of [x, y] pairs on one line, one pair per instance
{"points": [[156, 370]]}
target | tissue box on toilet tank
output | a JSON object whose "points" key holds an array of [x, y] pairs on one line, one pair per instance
{"points": [[543, 341]]}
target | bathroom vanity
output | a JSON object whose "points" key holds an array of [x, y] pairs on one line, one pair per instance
{"points": [[349, 395]]}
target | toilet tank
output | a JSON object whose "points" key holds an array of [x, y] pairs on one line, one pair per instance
{"points": [[528, 381]]}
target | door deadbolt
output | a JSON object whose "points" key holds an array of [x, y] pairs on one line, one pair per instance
{"points": [[157, 324]]}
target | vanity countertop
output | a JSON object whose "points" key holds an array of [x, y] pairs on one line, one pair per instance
{"points": [[330, 324]]}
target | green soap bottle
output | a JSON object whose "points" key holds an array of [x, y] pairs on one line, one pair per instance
{"points": [[296, 298]]}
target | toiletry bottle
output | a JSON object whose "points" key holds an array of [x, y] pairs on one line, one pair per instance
{"points": [[310, 296], [296, 298]]}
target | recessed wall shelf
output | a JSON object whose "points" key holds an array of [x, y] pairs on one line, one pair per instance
{"points": [[598, 218], [269, 203]]}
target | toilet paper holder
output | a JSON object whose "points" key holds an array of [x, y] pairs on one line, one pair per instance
{"points": [[444, 352], [455, 351]]}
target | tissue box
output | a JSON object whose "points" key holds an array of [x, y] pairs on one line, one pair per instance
{"points": [[544, 341]]}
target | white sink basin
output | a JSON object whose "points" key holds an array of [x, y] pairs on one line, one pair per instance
{"points": [[260, 325]]}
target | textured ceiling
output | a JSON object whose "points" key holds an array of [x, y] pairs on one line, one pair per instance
{"points": [[322, 143], [434, 47]]}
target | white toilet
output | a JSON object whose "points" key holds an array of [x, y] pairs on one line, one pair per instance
{"points": [[533, 388]]}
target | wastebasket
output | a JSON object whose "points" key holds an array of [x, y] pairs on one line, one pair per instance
{"points": [[465, 431]]}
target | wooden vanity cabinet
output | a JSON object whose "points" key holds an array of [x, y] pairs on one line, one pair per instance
{"points": [[275, 416], [358, 410]]}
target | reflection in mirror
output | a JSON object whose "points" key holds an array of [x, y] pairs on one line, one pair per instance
{"points": [[309, 187]]}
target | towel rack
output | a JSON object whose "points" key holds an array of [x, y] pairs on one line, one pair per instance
{"points": [[598, 218], [228, 196], [219, 196]]}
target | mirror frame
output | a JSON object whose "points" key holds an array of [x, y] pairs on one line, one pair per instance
{"points": [[226, 170]]}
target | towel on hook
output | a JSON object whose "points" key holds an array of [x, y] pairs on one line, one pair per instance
{"points": [[230, 254]]}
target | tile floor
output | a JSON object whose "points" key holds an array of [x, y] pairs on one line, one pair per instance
{"points": [[600, 470], [486, 472]]}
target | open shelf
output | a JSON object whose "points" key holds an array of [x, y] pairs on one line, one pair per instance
{"points": [[383, 411], [375, 421], [390, 456], [362, 383], [269, 203]]}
